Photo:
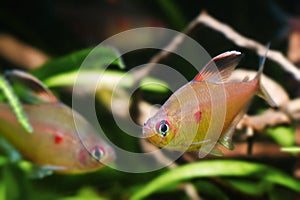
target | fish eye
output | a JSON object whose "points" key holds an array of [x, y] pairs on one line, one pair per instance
{"points": [[97, 153], [163, 128]]}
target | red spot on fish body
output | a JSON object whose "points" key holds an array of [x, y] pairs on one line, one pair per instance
{"points": [[58, 138], [199, 77], [198, 116]]}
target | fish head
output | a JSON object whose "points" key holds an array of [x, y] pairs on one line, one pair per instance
{"points": [[93, 157], [160, 129]]}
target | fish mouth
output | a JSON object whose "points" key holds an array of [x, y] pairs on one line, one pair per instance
{"points": [[147, 132]]}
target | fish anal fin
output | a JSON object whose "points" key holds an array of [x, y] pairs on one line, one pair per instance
{"points": [[226, 139], [220, 67], [227, 142], [47, 170], [38, 172], [215, 151], [34, 90]]}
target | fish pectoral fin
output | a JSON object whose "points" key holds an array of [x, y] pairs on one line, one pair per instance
{"points": [[38, 172], [199, 143], [31, 90], [54, 167], [220, 67]]}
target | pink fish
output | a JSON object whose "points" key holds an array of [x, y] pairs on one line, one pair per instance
{"points": [[207, 102], [57, 143]]}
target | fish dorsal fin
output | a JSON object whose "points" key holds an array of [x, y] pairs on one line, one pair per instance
{"points": [[30, 89], [220, 67]]}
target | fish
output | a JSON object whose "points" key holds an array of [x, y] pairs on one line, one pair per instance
{"points": [[57, 143], [205, 111]]}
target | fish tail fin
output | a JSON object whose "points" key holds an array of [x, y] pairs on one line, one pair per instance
{"points": [[262, 92]]}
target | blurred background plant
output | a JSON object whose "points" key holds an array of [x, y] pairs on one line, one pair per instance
{"points": [[50, 39]]}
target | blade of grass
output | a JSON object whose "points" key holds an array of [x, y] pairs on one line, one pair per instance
{"points": [[250, 187], [85, 193], [284, 136], [173, 12], [224, 168], [291, 149], [15, 104], [211, 190], [109, 79]]}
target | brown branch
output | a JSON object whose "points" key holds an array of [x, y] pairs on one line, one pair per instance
{"points": [[260, 150], [19, 53], [245, 42], [228, 32], [269, 118], [171, 47]]}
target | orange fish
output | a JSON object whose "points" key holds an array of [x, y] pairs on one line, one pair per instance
{"points": [[206, 110], [56, 143]]}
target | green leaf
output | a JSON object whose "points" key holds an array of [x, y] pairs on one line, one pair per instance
{"points": [[3, 160], [15, 104], [98, 58], [173, 12], [2, 189], [291, 149], [109, 79], [284, 136], [279, 193], [85, 193], [11, 185], [16, 185], [225, 168], [250, 187], [154, 85], [211, 190]]}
